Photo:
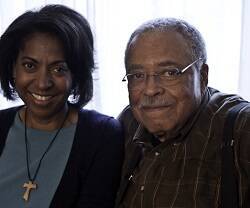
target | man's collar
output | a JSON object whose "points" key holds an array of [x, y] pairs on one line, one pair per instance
{"points": [[143, 137]]}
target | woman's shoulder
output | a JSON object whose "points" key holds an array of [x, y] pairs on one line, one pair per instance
{"points": [[9, 112], [94, 117], [7, 117], [99, 127]]}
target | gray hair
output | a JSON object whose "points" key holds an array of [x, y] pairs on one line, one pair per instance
{"points": [[189, 32]]}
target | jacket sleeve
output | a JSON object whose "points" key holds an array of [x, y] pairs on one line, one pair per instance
{"points": [[100, 185]]}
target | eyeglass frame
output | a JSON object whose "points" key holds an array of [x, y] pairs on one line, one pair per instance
{"points": [[180, 72]]}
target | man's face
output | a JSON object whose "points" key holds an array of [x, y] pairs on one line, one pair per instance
{"points": [[163, 108]]}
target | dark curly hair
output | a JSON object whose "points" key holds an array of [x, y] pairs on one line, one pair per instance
{"points": [[71, 28]]}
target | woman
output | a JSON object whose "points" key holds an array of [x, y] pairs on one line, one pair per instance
{"points": [[52, 152]]}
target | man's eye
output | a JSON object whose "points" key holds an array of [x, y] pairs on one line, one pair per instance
{"points": [[138, 76], [171, 72]]}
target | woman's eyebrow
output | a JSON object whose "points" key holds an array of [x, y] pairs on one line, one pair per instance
{"points": [[29, 58], [52, 63]]}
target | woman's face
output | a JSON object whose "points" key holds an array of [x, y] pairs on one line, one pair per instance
{"points": [[42, 78]]}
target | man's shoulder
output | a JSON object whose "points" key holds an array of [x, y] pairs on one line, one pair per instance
{"points": [[128, 122], [126, 114], [243, 119], [221, 103], [127, 118]]}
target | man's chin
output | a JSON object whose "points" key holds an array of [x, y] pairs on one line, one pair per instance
{"points": [[160, 130], [155, 129]]}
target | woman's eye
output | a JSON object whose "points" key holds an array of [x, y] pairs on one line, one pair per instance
{"points": [[57, 69], [60, 69], [29, 66]]}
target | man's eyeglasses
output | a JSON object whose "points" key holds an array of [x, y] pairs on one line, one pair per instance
{"points": [[170, 74]]}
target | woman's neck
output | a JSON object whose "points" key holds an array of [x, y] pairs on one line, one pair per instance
{"points": [[48, 123]]}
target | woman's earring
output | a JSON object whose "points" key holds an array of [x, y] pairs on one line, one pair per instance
{"points": [[13, 84]]}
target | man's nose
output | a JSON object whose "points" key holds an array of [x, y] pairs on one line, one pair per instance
{"points": [[152, 86]]}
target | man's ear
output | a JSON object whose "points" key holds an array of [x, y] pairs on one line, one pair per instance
{"points": [[204, 76]]}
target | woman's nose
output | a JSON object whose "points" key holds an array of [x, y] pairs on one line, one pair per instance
{"points": [[44, 79]]}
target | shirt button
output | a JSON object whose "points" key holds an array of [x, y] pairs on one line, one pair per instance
{"points": [[157, 153], [142, 188]]}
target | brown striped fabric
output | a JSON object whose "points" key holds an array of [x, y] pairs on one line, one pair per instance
{"points": [[186, 171]]}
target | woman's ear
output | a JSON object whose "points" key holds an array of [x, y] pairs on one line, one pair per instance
{"points": [[14, 71], [14, 74]]}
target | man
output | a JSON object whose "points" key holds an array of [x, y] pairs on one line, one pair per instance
{"points": [[174, 124]]}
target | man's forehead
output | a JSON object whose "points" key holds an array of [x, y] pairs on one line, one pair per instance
{"points": [[159, 41], [159, 46]]}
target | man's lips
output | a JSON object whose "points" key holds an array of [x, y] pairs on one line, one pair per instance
{"points": [[155, 108]]}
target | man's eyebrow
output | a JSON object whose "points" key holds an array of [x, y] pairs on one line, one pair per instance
{"points": [[167, 63], [160, 64], [132, 67]]}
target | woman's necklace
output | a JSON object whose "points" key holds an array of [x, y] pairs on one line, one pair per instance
{"points": [[31, 183]]}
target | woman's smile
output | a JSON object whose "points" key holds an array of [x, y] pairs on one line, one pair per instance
{"points": [[41, 97]]}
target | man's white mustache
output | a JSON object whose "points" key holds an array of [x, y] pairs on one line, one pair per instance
{"points": [[152, 102]]}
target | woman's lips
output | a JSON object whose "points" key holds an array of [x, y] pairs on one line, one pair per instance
{"points": [[41, 97]]}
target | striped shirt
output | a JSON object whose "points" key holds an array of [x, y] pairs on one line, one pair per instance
{"points": [[186, 172]]}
